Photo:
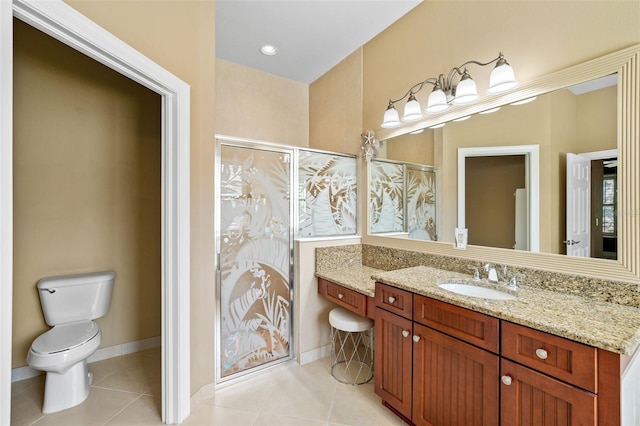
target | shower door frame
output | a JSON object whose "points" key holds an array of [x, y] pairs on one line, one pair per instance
{"points": [[232, 141]]}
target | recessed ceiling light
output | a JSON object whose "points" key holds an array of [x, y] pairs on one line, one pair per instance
{"points": [[437, 126], [466, 117], [269, 50], [415, 132]]}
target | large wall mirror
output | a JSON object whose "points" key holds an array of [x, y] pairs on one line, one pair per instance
{"points": [[580, 120]]}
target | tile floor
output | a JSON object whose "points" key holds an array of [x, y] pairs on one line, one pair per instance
{"points": [[126, 391]]}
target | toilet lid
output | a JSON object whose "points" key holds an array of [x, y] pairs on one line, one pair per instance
{"points": [[64, 337]]}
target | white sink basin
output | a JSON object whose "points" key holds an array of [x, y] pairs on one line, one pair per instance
{"points": [[466, 289]]}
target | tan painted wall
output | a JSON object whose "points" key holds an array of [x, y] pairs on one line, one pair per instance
{"points": [[537, 37], [335, 107], [417, 148], [87, 186], [180, 36], [256, 105]]}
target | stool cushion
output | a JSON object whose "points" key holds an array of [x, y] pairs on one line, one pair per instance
{"points": [[345, 320]]}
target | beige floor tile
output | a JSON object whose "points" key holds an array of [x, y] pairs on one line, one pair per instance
{"points": [[103, 369], [276, 420], [315, 375], [127, 391], [139, 376], [99, 407], [249, 395], [146, 410], [24, 385], [205, 415], [26, 401], [305, 402], [359, 405]]}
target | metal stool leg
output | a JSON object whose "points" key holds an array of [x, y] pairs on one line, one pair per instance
{"points": [[351, 356]]}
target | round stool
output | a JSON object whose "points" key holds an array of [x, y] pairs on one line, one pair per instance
{"points": [[351, 347]]}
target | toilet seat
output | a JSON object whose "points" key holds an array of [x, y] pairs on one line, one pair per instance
{"points": [[65, 337]]}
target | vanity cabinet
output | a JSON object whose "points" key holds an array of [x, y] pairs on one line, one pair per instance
{"points": [[440, 364], [347, 298], [393, 357], [429, 377], [546, 379]]}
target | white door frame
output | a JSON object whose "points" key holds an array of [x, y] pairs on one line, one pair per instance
{"points": [[65, 24], [532, 179]]}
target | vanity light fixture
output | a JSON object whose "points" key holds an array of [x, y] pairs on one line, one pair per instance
{"points": [[450, 90]]}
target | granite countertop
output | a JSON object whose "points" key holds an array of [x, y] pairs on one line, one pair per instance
{"points": [[356, 278], [608, 326]]}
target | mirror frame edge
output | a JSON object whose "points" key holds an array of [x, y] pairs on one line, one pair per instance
{"points": [[626, 63]]}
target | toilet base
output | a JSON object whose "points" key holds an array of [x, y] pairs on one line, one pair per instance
{"points": [[62, 391]]}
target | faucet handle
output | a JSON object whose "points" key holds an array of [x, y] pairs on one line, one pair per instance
{"points": [[476, 273], [513, 281]]}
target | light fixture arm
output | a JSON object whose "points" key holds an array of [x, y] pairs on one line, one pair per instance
{"points": [[447, 90], [413, 90]]}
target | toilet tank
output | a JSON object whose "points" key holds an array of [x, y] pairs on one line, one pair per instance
{"points": [[80, 297]]}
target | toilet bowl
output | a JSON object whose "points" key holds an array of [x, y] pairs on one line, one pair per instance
{"points": [[69, 304], [62, 353]]}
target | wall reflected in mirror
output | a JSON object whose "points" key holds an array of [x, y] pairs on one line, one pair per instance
{"points": [[580, 119]]}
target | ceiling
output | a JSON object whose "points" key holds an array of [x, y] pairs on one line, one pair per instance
{"points": [[312, 36]]}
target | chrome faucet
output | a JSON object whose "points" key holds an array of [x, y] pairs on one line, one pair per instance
{"points": [[492, 273]]}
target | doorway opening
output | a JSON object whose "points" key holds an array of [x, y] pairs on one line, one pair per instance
{"points": [[65, 24]]}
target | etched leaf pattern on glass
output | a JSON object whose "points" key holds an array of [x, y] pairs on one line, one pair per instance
{"points": [[327, 194], [254, 258], [386, 195], [421, 204]]}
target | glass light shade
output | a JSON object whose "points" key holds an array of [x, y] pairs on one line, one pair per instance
{"points": [[466, 92], [437, 102], [391, 118], [412, 110], [502, 79]]}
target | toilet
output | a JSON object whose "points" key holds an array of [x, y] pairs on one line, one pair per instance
{"points": [[70, 303]]}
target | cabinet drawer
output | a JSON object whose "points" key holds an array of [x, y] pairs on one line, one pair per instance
{"points": [[349, 299], [564, 359], [472, 327], [530, 397], [394, 300]]}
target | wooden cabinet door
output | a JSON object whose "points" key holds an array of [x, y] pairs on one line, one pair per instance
{"points": [[455, 383], [532, 398], [392, 361]]}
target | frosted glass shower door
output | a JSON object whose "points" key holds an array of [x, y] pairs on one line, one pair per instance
{"points": [[255, 264]]}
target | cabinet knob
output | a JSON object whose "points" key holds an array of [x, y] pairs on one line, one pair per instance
{"points": [[506, 380], [340, 296], [416, 338], [391, 299], [541, 353], [405, 333]]}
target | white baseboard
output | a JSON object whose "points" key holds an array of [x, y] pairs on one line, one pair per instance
{"points": [[23, 373], [315, 354]]}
